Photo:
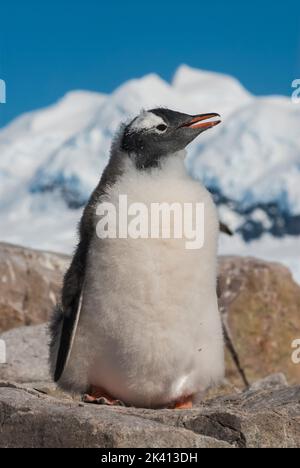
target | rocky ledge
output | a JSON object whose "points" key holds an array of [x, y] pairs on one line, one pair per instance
{"points": [[267, 415], [30, 281]]}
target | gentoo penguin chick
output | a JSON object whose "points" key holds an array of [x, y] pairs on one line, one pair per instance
{"points": [[139, 321]]}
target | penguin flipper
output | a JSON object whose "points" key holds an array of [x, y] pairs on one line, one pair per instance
{"points": [[225, 229], [63, 330], [65, 320]]}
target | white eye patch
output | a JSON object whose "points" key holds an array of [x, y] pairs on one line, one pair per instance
{"points": [[146, 121]]}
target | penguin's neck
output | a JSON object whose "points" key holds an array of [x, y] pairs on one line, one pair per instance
{"points": [[171, 166], [168, 182]]}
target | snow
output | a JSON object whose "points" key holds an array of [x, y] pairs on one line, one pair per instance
{"points": [[51, 159], [261, 217], [256, 155], [42, 225]]}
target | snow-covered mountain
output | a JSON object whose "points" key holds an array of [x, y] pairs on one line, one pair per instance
{"points": [[51, 159]]}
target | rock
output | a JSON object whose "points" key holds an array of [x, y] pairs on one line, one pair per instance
{"points": [[28, 419], [29, 285], [261, 418], [260, 303], [274, 380], [27, 354]]}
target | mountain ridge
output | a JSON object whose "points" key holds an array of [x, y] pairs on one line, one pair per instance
{"points": [[51, 159]]}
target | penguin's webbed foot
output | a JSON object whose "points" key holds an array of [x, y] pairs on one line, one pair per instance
{"points": [[98, 396], [184, 403]]}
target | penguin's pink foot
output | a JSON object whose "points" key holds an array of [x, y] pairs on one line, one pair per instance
{"points": [[184, 403], [98, 396]]}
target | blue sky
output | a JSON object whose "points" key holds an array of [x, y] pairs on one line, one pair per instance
{"points": [[50, 47]]}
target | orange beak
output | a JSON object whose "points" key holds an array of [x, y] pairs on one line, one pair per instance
{"points": [[203, 121]]}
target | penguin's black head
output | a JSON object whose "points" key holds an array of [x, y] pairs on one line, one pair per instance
{"points": [[157, 133]]}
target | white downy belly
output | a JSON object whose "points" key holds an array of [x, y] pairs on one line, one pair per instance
{"points": [[150, 331]]}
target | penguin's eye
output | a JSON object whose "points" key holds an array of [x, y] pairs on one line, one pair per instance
{"points": [[161, 127]]}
